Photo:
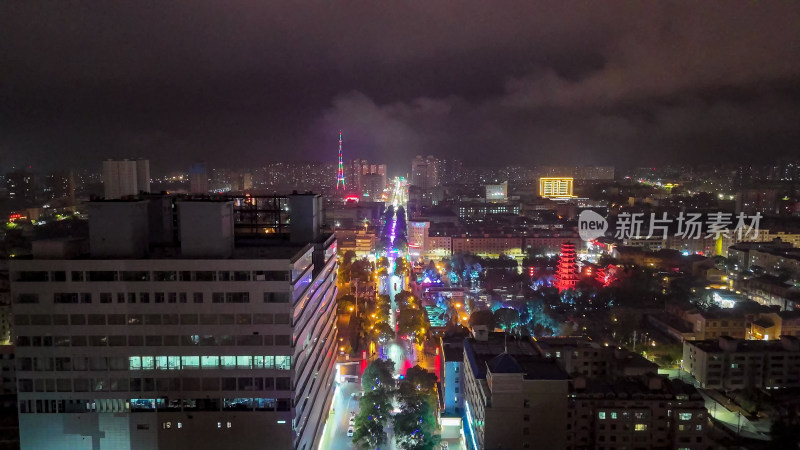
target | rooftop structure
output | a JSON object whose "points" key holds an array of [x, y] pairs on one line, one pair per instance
{"points": [[190, 324]]}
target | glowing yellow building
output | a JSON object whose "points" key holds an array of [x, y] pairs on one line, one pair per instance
{"points": [[556, 187]]}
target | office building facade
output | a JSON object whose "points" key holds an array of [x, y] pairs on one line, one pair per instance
{"points": [[221, 341]]}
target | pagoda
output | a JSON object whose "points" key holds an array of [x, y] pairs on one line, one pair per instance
{"points": [[567, 272]]}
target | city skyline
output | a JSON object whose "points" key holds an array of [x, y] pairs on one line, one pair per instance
{"points": [[552, 84]]}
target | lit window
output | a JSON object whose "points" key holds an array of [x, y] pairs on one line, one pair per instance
{"points": [[229, 424], [613, 415], [601, 415], [685, 416], [640, 427]]}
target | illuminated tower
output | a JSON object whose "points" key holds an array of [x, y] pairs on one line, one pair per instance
{"points": [[567, 272], [340, 172]]}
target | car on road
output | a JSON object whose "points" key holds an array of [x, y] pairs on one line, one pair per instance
{"points": [[444, 445], [350, 432], [353, 413], [352, 421]]}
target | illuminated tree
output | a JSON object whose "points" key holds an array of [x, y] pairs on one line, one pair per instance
{"points": [[378, 376], [415, 425], [383, 332], [412, 322], [404, 300], [370, 423], [507, 318]]}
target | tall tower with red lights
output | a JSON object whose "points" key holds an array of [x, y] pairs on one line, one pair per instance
{"points": [[567, 271], [340, 172]]}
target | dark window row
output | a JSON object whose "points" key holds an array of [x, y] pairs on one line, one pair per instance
{"points": [[158, 275], [194, 340], [105, 384], [152, 319], [157, 297]]}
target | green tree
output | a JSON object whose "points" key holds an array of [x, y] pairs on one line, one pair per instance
{"points": [[507, 318], [412, 322], [383, 266], [404, 300], [378, 375], [344, 303], [348, 258], [482, 317], [401, 267], [383, 332], [361, 269], [415, 424], [369, 432]]}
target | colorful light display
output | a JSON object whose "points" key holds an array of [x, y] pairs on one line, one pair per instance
{"points": [[340, 172]]}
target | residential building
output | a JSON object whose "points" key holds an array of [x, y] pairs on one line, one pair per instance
{"points": [[728, 363], [125, 178], [636, 412], [438, 247], [220, 338], [773, 325], [482, 210], [425, 172], [515, 398], [198, 179], [579, 356], [21, 185], [710, 325], [487, 245]]}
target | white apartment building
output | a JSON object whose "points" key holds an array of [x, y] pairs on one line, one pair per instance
{"points": [[219, 341], [125, 177], [729, 363]]}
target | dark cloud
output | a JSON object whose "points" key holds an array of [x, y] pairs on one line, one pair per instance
{"points": [[241, 82]]}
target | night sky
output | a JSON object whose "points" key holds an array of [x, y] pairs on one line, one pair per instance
{"points": [[237, 83]]}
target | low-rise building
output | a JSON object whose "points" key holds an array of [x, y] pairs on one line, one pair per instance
{"points": [[728, 363], [770, 326], [579, 356]]}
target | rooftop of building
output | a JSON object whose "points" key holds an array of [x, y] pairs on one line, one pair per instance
{"points": [[630, 387], [728, 344], [501, 354]]}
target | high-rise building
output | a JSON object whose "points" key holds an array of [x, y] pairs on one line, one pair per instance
{"points": [[451, 171], [125, 178], [223, 338], [21, 185], [363, 177], [425, 172], [59, 185], [198, 179], [372, 185]]}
